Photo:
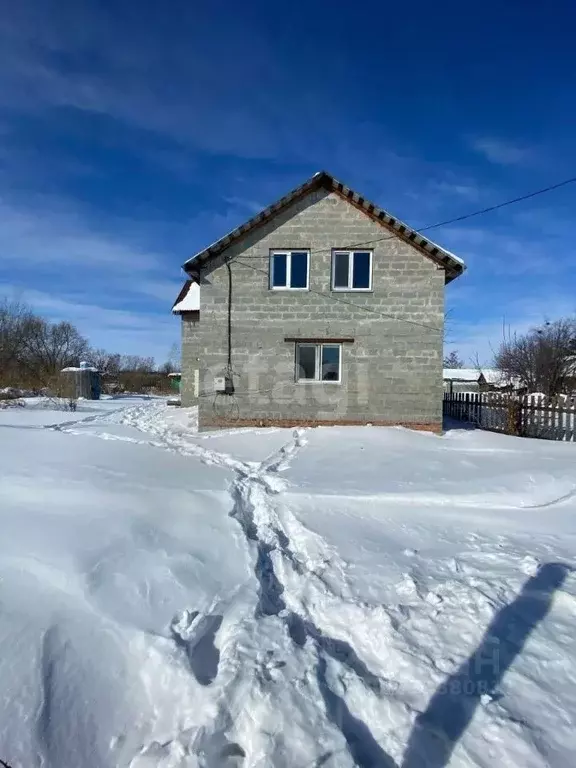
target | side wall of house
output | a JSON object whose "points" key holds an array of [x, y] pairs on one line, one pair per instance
{"points": [[190, 354], [391, 373]]}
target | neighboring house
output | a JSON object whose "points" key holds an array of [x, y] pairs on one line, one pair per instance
{"points": [[474, 380], [322, 309]]}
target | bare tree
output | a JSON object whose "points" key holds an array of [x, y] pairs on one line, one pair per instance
{"points": [[175, 356], [33, 351], [15, 320], [107, 363], [136, 363], [453, 360], [49, 347], [172, 364], [137, 374], [167, 367], [542, 360]]}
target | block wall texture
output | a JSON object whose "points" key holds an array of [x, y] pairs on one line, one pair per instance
{"points": [[190, 357], [391, 373]]}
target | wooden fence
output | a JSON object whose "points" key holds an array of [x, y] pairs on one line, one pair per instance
{"points": [[529, 416]]}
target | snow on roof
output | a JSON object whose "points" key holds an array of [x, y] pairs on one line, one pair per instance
{"points": [[74, 369], [491, 375], [449, 253], [189, 298], [174, 375]]}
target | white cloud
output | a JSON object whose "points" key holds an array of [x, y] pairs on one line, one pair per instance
{"points": [[49, 231], [513, 251], [165, 89], [501, 152], [251, 206], [118, 293], [451, 184], [163, 290]]}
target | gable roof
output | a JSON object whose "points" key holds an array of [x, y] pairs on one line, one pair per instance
{"points": [[188, 299], [453, 265]]}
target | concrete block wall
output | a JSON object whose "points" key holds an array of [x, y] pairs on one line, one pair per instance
{"points": [[391, 373], [190, 358]]}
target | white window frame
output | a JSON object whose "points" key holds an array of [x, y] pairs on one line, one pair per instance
{"points": [[318, 363], [288, 253], [351, 257]]}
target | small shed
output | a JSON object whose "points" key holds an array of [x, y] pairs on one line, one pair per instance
{"points": [[175, 380], [82, 381]]}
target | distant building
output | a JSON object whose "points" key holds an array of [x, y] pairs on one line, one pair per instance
{"points": [[83, 381], [175, 379], [474, 380]]}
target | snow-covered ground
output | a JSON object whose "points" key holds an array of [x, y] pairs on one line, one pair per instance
{"points": [[329, 597]]}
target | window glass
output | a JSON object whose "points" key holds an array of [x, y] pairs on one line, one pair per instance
{"points": [[279, 269], [306, 362], [341, 270], [299, 270], [361, 270], [330, 363]]}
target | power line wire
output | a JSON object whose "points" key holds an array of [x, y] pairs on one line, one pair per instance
{"points": [[455, 220], [393, 236], [501, 205], [386, 315], [363, 307]]}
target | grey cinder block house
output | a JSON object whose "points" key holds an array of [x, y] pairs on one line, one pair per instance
{"points": [[321, 309]]}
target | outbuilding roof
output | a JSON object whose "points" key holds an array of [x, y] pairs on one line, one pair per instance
{"points": [[491, 376]]}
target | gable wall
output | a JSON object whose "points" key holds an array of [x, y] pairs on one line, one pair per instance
{"points": [[392, 373]]}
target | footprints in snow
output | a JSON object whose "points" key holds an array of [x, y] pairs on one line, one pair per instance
{"points": [[255, 513], [268, 667], [195, 633], [270, 589], [301, 629]]}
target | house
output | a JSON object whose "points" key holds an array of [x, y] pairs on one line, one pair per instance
{"points": [[474, 380], [321, 309]]}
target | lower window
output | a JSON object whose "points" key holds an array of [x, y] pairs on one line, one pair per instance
{"points": [[318, 362]]}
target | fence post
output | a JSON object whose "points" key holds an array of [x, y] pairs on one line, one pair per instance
{"points": [[513, 418], [519, 427], [539, 416]]}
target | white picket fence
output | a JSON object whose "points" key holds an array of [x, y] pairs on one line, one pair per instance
{"points": [[529, 416]]}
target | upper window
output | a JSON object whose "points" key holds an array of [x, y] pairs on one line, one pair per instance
{"points": [[318, 362], [289, 270], [352, 271]]}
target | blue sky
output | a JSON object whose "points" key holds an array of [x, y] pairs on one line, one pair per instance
{"points": [[132, 134]]}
